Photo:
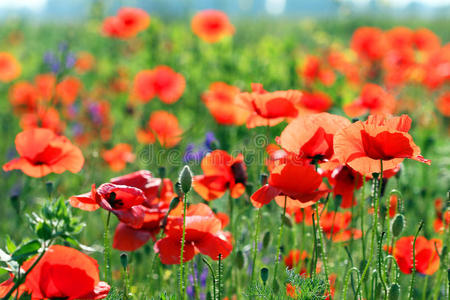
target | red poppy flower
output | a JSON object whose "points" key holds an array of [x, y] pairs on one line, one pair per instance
{"points": [[291, 290], [211, 25], [443, 104], [203, 234], [311, 136], [400, 66], [400, 37], [65, 272], [284, 181], [162, 82], [294, 258], [119, 156], [268, 108], [45, 85], [314, 70], [9, 67], [427, 259], [373, 99], [369, 43], [128, 23], [335, 226], [24, 97], [148, 184], [393, 203], [220, 101], [442, 220], [362, 145], [42, 152], [221, 172], [315, 102], [162, 126], [344, 181], [426, 40], [43, 118], [436, 69], [68, 89], [85, 62]]}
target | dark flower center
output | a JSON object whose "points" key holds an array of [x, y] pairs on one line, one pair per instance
{"points": [[239, 173], [114, 202]]}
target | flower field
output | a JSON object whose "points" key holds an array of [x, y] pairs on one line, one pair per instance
{"points": [[209, 157]]}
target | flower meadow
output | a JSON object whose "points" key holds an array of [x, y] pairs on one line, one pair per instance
{"points": [[213, 158]]}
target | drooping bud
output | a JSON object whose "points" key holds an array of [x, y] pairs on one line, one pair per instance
{"points": [[49, 187], [185, 179], [124, 260], [394, 292], [174, 203], [397, 225]]}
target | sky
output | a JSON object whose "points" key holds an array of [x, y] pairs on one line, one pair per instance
{"points": [[272, 6]]}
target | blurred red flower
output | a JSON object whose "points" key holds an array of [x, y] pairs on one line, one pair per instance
{"points": [[10, 68], [369, 43], [119, 156], [373, 99], [314, 70], [163, 127], [127, 24], [211, 25]]}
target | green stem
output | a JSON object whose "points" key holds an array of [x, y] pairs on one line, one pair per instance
{"points": [[413, 273], [212, 275], [322, 245], [347, 276], [219, 278], [107, 250], [425, 285], [183, 237], [313, 267], [280, 234], [255, 246]]}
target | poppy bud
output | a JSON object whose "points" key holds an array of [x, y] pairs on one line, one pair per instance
{"points": [[240, 259], [214, 145], [263, 178], [15, 203], [264, 275], [275, 286], [162, 172], [394, 291], [124, 260], [286, 221], [174, 203], [354, 120], [249, 188], [266, 239], [383, 211], [185, 179], [397, 225], [49, 187], [337, 202], [444, 252]]}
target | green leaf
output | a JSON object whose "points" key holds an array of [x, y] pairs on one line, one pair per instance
{"points": [[10, 246], [44, 231], [26, 250]]}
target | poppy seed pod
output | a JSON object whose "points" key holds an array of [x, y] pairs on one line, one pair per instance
{"points": [[124, 260], [266, 239], [185, 179], [264, 275], [394, 291], [397, 225]]}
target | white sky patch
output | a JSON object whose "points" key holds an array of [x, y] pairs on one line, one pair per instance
{"points": [[275, 7], [401, 3], [34, 5]]}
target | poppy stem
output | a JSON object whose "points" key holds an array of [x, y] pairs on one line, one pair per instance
{"points": [[280, 234], [255, 246], [107, 250], [312, 270], [413, 273], [183, 237], [322, 246], [212, 275], [219, 278]]}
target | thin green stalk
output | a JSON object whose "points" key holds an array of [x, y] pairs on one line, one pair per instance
{"points": [[380, 270], [425, 285], [347, 275], [413, 273], [324, 254], [107, 250], [313, 267], [196, 287], [255, 246], [280, 234], [219, 278], [362, 211], [183, 237]]}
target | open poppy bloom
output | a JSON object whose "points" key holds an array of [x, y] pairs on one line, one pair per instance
{"points": [[211, 25], [427, 259], [127, 24], [314, 70], [362, 145], [43, 152], [373, 99], [68, 89], [344, 181], [335, 226], [9, 67], [162, 82], [85, 62], [443, 104], [119, 156], [221, 172], [315, 102], [148, 184], [268, 108], [298, 260], [369, 43], [426, 40], [311, 136], [295, 180], [62, 273], [220, 101], [203, 235], [24, 97], [163, 127], [43, 118], [400, 37], [442, 220]]}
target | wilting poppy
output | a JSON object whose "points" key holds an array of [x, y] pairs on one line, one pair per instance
{"points": [[203, 234], [9, 67], [221, 172], [443, 104], [427, 259], [127, 24], [85, 62], [314, 70], [42, 152], [68, 90], [295, 179], [220, 101], [311, 136], [119, 156], [268, 108], [62, 272], [162, 82], [211, 25], [315, 102], [162, 126], [362, 145], [373, 99], [369, 43]]}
